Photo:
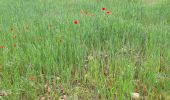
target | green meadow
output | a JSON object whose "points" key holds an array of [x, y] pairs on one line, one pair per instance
{"points": [[84, 49]]}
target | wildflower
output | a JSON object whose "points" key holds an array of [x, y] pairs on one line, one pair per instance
{"points": [[103, 8], [109, 12], [1, 47], [75, 22], [14, 37], [14, 45]]}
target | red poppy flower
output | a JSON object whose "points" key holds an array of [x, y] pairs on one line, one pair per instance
{"points": [[1, 47], [103, 8], [109, 12], [14, 45], [75, 22]]}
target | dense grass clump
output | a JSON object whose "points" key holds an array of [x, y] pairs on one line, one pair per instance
{"points": [[84, 49]]}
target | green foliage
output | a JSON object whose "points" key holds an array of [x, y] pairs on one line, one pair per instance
{"points": [[103, 56]]}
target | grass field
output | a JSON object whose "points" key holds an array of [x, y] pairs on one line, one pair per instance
{"points": [[84, 49]]}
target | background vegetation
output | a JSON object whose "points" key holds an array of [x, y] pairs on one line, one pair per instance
{"points": [[43, 54]]}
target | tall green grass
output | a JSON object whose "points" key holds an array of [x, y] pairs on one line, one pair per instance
{"points": [[102, 57]]}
